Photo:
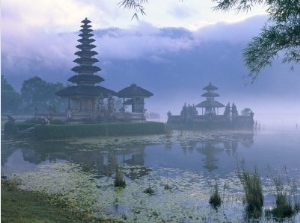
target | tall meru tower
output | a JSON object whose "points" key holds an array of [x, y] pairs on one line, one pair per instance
{"points": [[85, 98]]}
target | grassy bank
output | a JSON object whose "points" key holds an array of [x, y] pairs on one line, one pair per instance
{"points": [[31, 207]]}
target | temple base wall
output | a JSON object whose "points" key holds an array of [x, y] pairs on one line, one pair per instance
{"points": [[212, 121]]}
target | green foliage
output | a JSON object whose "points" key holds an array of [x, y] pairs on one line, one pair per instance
{"points": [[227, 110], [28, 206], [167, 187], [57, 122], [246, 112], [35, 120], [188, 112], [33, 91], [85, 130], [119, 180], [10, 99], [284, 192], [283, 207], [37, 93], [22, 125], [9, 128], [252, 187], [12, 128], [149, 190], [215, 198]]}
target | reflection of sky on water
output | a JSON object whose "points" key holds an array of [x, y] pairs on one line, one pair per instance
{"points": [[273, 150], [17, 162], [278, 150], [213, 153]]}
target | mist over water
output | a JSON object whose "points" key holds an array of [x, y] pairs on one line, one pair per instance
{"points": [[269, 113], [190, 161]]}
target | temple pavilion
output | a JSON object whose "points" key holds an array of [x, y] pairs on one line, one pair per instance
{"points": [[210, 105], [134, 96], [85, 97]]}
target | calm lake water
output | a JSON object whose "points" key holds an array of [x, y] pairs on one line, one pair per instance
{"points": [[190, 162]]}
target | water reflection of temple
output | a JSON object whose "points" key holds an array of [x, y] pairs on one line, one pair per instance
{"points": [[104, 163], [98, 161], [210, 150], [213, 145], [209, 116]]}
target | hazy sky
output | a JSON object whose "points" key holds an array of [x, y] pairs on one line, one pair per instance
{"points": [[58, 15], [31, 30]]}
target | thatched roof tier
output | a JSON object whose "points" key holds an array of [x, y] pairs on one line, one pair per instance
{"points": [[134, 91], [86, 53], [211, 104], [210, 87], [86, 79], [86, 35], [86, 21], [86, 40], [210, 94], [86, 30], [86, 68], [85, 46], [85, 91], [86, 26], [82, 60]]}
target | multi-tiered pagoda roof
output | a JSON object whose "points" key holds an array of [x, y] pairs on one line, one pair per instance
{"points": [[85, 77], [210, 103]]}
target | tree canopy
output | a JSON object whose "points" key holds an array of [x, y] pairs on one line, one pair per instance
{"points": [[279, 37], [37, 93], [10, 99]]}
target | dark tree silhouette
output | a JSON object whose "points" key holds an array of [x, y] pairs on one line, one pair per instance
{"points": [[37, 93], [10, 99]]}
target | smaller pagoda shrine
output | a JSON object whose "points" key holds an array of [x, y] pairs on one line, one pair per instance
{"points": [[210, 117], [135, 97], [210, 104], [85, 98]]}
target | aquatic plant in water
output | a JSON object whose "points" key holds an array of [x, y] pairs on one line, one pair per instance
{"points": [[119, 180], [287, 202], [80, 191], [215, 198], [66, 183], [253, 197], [149, 190]]}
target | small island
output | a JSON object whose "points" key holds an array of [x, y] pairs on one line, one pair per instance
{"points": [[209, 117]]}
